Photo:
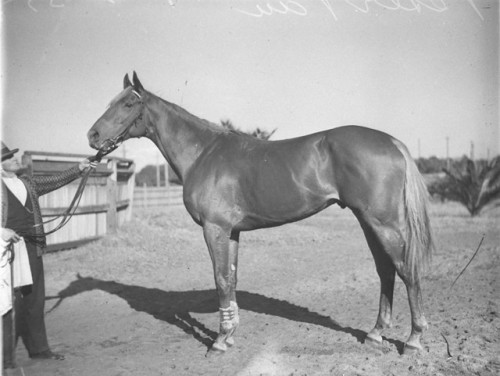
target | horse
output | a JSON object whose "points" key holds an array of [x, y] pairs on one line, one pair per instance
{"points": [[233, 182]]}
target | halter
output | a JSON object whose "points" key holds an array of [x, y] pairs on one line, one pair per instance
{"points": [[113, 143]]}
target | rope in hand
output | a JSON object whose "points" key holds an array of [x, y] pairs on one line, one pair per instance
{"points": [[70, 211]]}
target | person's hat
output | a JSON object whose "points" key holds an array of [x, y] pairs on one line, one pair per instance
{"points": [[7, 153]]}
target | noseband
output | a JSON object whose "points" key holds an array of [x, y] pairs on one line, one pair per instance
{"points": [[111, 144]]}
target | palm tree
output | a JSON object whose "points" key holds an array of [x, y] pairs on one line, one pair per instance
{"points": [[474, 184]]}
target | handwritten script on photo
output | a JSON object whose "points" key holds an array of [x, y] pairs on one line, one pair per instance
{"points": [[260, 9], [35, 4], [298, 8]]}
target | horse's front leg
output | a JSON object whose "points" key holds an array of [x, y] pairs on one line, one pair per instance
{"points": [[223, 247]]}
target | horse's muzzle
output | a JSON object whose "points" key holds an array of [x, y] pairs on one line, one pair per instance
{"points": [[93, 137]]}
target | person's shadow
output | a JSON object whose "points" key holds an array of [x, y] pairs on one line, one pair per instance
{"points": [[174, 307]]}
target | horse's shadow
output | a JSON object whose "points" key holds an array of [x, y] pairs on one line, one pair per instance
{"points": [[174, 307]]}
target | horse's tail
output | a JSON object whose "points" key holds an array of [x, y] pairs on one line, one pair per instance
{"points": [[419, 244]]}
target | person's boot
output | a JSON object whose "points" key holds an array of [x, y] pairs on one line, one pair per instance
{"points": [[47, 354]]}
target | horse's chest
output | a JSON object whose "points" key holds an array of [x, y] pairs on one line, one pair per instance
{"points": [[207, 199]]}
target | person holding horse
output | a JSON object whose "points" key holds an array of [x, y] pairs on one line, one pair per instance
{"points": [[21, 218]]}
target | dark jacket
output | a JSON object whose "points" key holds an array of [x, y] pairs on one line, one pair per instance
{"points": [[38, 186]]}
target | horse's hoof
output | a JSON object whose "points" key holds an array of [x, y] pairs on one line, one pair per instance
{"points": [[411, 350], [373, 345], [214, 352], [230, 342], [373, 341], [218, 348]]}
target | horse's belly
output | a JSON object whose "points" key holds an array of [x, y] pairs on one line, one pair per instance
{"points": [[280, 206], [283, 190]]}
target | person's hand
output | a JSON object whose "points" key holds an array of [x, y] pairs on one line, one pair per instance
{"points": [[9, 235], [86, 164]]}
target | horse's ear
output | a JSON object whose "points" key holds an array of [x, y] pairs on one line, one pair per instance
{"points": [[126, 82], [137, 84]]}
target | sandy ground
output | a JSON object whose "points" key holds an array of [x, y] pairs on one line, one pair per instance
{"points": [[142, 302]]}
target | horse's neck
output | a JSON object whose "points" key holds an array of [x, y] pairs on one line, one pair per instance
{"points": [[181, 137]]}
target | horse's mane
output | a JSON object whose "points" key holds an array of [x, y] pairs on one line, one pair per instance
{"points": [[186, 115], [218, 128]]}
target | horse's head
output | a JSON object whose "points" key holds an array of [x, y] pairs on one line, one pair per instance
{"points": [[122, 119]]}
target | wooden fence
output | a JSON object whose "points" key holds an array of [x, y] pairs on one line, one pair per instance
{"points": [[106, 202], [145, 197]]}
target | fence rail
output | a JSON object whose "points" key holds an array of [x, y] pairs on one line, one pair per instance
{"points": [[106, 202], [157, 196]]}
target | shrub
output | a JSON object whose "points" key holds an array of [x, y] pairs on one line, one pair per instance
{"points": [[474, 184], [258, 133], [430, 165]]}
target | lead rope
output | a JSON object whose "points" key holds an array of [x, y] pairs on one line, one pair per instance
{"points": [[73, 206], [13, 339]]}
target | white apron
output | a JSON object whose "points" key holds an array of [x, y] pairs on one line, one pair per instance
{"points": [[22, 273]]}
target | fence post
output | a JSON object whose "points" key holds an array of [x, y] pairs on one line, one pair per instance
{"points": [[130, 192], [27, 160], [112, 189]]}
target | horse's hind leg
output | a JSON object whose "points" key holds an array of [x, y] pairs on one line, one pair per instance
{"points": [[223, 248], [418, 321], [387, 273], [395, 246], [388, 242]]}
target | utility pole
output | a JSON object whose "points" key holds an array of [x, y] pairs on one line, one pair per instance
{"points": [[167, 182], [472, 150], [157, 171], [447, 153]]}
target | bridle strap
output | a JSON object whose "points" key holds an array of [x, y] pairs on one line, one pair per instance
{"points": [[111, 144]]}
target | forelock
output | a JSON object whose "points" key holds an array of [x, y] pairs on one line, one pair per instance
{"points": [[120, 96]]}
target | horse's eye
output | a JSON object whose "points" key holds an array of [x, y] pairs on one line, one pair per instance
{"points": [[128, 105]]}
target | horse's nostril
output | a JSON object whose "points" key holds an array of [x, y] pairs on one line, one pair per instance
{"points": [[93, 135]]}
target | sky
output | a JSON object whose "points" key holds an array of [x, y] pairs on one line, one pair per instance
{"points": [[424, 71]]}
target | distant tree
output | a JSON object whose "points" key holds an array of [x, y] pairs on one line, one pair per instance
{"points": [[263, 134], [228, 124], [147, 176], [474, 184], [258, 133], [431, 165]]}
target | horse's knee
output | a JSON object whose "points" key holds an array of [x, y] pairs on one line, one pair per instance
{"points": [[223, 285]]}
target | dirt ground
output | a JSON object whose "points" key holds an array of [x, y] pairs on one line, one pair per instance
{"points": [[142, 302]]}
